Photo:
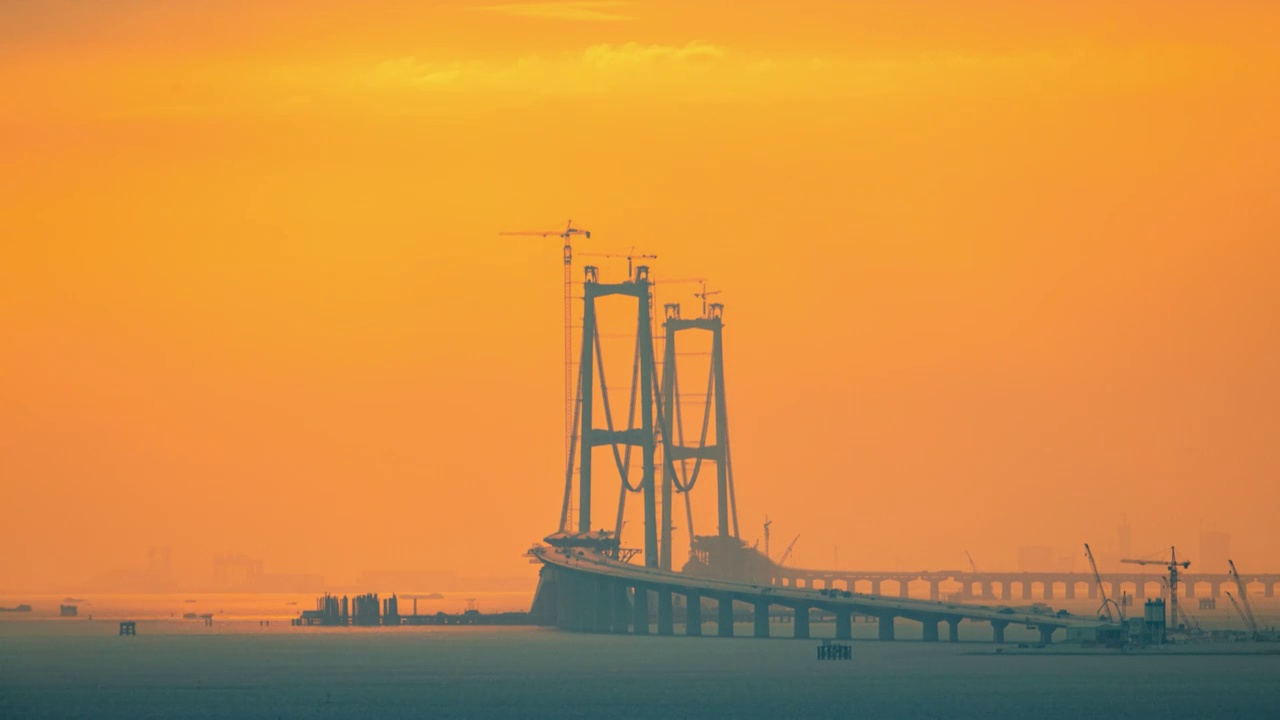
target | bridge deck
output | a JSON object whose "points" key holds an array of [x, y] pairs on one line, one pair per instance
{"points": [[836, 601]]}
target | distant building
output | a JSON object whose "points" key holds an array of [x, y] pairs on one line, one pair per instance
{"points": [[1215, 548]]}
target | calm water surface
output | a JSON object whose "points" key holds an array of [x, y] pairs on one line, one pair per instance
{"points": [[81, 669]]}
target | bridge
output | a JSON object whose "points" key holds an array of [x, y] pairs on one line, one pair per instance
{"points": [[1020, 585], [589, 582], [586, 590]]}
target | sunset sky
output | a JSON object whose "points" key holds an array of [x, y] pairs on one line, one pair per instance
{"points": [[996, 274]]}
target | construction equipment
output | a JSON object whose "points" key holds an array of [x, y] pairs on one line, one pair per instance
{"points": [[786, 554], [1189, 623], [567, 236], [1247, 615], [1243, 618], [630, 256], [1105, 610], [704, 295], [972, 567], [1172, 564], [767, 523]]}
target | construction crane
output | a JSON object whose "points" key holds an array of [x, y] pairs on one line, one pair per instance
{"points": [[1247, 615], [787, 553], [630, 256], [767, 523], [972, 567], [1189, 623], [1243, 618], [1105, 610], [567, 236], [704, 295], [1172, 564]]}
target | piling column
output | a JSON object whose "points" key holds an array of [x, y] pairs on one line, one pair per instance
{"points": [[724, 616], [886, 627], [641, 616], [1046, 634], [1093, 591], [1026, 590], [931, 629], [801, 629], [875, 587], [904, 589], [933, 590], [844, 624], [1269, 590], [953, 629], [693, 614], [997, 630], [1048, 589], [664, 613], [761, 617], [1071, 590]]}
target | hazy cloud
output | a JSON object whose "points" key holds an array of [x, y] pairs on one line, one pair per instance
{"points": [[589, 10]]}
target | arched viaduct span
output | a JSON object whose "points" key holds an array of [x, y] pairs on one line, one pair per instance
{"points": [[1017, 585], [589, 591]]}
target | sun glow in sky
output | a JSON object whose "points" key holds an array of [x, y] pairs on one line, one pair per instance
{"points": [[997, 274]]}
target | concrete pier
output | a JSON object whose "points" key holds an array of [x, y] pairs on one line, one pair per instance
{"points": [[761, 617], [997, 631], [1046, 634], [844, 625], [664, 613], [886, 627], [621, 604], [641, 615], [724, 618], [931, 629], [693, 614], [953, 630], [801, 629]]}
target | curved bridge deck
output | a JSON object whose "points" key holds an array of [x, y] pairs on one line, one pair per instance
{"points": [[583, 590]]}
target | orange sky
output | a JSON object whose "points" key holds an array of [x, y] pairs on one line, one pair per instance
{"points": [[995, 276]]}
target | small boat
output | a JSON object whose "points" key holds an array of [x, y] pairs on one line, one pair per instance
{"points": [[189, 616], [17, 608]]}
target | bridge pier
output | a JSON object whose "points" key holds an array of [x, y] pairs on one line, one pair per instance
{"points": [[665, 625], [692, 614], [1071, 589], [844, 624], [930, 629], [886, 627], [604, 606], [621, 608], [641, 615], [801, 629], [761, 617], [997, 630], [953, 630], [904, 589], [1026, 590], [1093, 591], [1215, 591], [1046, 634], [1269, 590], [724, 616], [933, 590], [875, 587], [1048, 589]]}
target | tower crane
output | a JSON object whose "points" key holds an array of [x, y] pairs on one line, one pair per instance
{"points": [[767, 523], [567, 236], [1191, 625], [1107, 603], [1172, 564], [630, 256], [704, 295], [972, 567], [787, 553], [1247, 615]]}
